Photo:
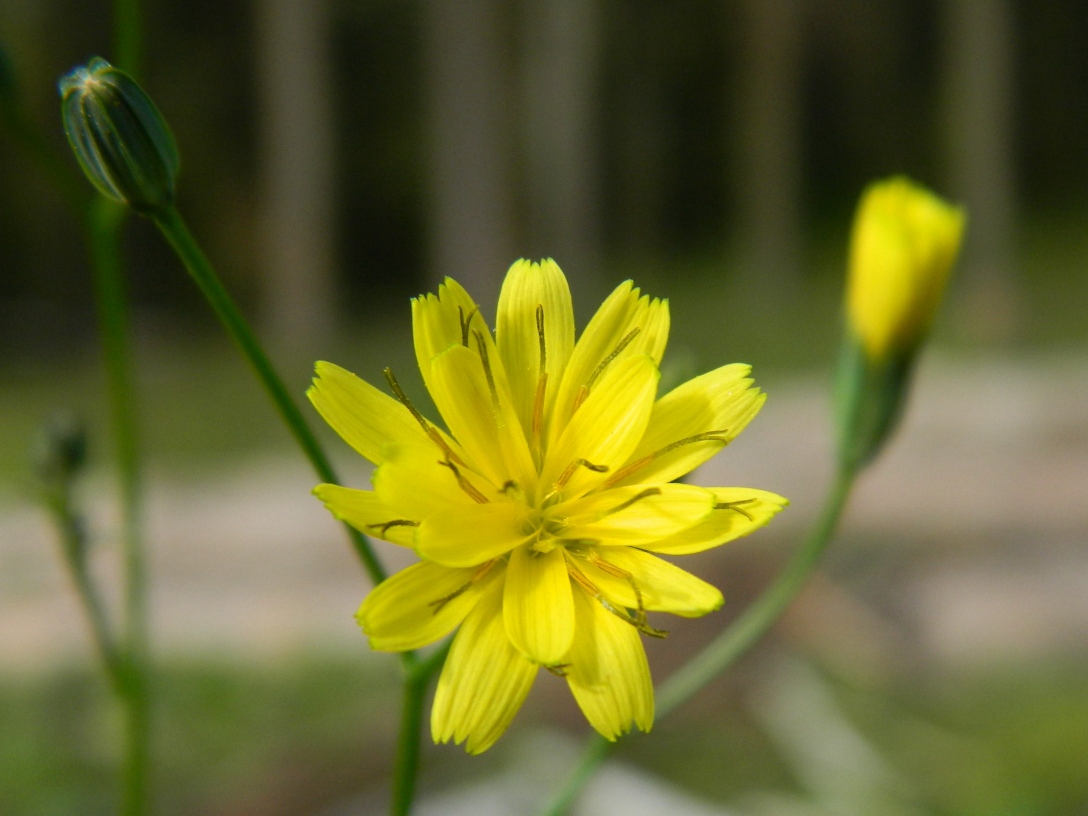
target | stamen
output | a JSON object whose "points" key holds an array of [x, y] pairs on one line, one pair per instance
{"points": [[735, 507], [561, 482], [428, 428], [487, 368], [384, 528], [639, 621], [466, 323], [542, 380], [583, 392], [639, 464], [464, 483], [649, 491], [540, 336], [476, 577], [559, 669]]}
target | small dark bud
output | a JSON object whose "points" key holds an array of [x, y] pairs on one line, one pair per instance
{"points": [[60, 450]]}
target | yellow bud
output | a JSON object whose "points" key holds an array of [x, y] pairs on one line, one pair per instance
{"points": [[904, 242]]}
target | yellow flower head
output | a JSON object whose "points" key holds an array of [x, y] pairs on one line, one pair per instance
{"points": [[536, 512], [904, 242]]}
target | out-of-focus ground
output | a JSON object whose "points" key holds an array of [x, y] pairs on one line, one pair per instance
{"points": [[980, 496], [949, 627]]}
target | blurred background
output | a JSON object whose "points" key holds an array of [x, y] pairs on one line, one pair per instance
{"points": [[340, 156]]}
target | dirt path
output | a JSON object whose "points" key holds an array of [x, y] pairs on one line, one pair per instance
{"points": [[991, 471]]}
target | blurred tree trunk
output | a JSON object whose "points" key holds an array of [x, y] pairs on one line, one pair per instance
{"points": [[979, 89], [471, 198], [559, 69], [297, 133], [767, 156]]}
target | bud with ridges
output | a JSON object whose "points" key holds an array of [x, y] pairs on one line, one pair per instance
{"points": [[121, 140], [904, 242]]}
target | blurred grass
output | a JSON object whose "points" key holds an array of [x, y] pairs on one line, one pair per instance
{"points": [[230, 738], [300, 736]]}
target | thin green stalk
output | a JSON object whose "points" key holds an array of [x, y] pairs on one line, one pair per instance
{"points": [[126, 36], [407, 764], [105, 222], [734, 640], [417, 678], [62, 175], [73, 547], [172, 226]]}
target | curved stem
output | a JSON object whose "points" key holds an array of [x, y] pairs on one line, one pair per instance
{"points": [[170, 223], [734, 640], [105, 222]]}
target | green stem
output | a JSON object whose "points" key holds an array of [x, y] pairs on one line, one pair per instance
{"points": [[170, 223], [407, 766], [63, 175], [105, 222], [73, 546], [417, 677], [734, 640], [126, 36]]}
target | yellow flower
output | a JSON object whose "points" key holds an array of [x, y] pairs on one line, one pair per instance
{"points": [[536, 513], [904, 242]]}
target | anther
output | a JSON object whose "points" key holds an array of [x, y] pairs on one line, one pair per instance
{"points": [[542, 380], [565, 477], [428, 428], [735, 507], [644, 494], [540, 336], [464, 483], [384, 528], [583, 392], [476, 577], [466, 323], [482, 347], [639, 464]]}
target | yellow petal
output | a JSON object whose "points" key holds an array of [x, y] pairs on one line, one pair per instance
{"points": [[750, 509], [537, 605], [653, 333], [407, 611], [607, 428], [528, 287], [365, 418], [437, 323], [484, 681], [722, 401], [610, 331], [662, 587], [481, 421], [471, 535], [607, 670], [364, 511], [634, 515], [413, 482]]}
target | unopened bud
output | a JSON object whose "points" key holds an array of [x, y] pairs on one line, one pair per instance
{"points": [[60, 449], [121, 140]]}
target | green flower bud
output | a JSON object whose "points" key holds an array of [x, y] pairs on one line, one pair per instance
{"points": [[121, 140]]}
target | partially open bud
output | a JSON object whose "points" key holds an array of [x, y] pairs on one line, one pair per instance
{"points": [[121, 140], [904, 243]]}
